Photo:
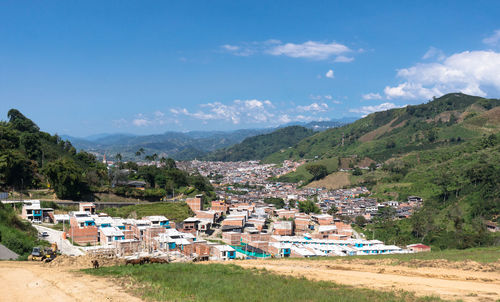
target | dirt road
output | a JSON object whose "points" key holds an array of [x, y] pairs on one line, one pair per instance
{"points": [[469, 284], [31, 281]]}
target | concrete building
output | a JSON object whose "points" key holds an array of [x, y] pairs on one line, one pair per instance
{"points": [[196, 203]]}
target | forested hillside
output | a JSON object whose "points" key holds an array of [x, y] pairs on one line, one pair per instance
{"points": [[260, 146], [32, 159]]}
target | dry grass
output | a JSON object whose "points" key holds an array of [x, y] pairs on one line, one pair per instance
{"points": [[333, 181]]}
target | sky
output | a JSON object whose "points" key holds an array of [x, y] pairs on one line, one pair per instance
{"points": [[86, 67]]}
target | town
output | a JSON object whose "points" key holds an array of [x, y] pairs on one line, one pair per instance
{"points": [[238, 225]]}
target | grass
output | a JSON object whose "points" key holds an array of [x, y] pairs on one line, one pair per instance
{"points": [[173, 211], [220, 282], [482, 255]]}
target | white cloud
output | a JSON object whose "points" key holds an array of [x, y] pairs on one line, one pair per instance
{"points": [[433, 52], [343, 59], [329, 74], [372, 96], [470, 72], [314, 107], [140, 122], [493, 39], [309, 50], [328, 97], [365, 110], [247, 111], [336, 102]]}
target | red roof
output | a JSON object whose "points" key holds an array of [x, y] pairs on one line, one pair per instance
{"points": [[420, 246]]}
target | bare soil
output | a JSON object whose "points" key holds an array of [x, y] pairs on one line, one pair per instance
{"points": [[468, 281], [35, 281], [333, 181]]}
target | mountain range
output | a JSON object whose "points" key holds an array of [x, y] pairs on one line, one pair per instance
{"points": [[179, 145]]}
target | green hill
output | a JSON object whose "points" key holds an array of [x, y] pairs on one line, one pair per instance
{"points": [[383, 134], [446, 151], [260, 146]]}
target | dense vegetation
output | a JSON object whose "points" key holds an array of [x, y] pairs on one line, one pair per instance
{"points": [[32, 159], [17, 235], [260, 146], [219, 282]]}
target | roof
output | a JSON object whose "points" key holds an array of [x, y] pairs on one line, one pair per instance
{"points": [[155, 218], [6, 254], [111, 231], [326, 228]]}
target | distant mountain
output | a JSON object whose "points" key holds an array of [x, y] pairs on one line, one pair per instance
{"points": [[260, 146], [178, 145]]}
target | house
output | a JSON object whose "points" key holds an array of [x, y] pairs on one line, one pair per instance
{"points": [[492, 226], [322, 219], [158, 221], [110, 234], [280, 249], [418, 247], [196, 203], [231, 238], [190, 225], [283, 228], [33, 212], [222, 252], [324, 231], [219, 206], [87, 207], [83, 229]]}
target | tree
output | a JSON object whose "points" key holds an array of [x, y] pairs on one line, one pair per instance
{"points": [[118, 157], [20, 122], [31, 145], [65, 177], [357, 172], [360, 221], [308, 206], [16, 170], [318, 171], [333, 210], [386, 213], [278, 202]]}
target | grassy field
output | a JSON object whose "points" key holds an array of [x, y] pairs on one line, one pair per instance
{"points": [[173, 211], [219, 282], [482, 255]]}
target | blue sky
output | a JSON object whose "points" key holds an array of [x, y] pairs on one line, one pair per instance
{"points": [[86, 67]]}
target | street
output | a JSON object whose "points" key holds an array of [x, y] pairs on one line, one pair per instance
{"points": [[64, 245]]}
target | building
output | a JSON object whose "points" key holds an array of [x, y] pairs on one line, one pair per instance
{"points": [[196, 203], [108, 235], [222, 252], [33, 212], [283, 228], [87, 207], [83, 229], [418, 248]]}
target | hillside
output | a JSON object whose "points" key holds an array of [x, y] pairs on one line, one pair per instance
{"points": [[380, 135], [32, 159], [17, 235], [260, 146], [446, 151]]}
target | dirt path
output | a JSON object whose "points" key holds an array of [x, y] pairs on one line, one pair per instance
{"points": [[447, 283], [30, 281]]}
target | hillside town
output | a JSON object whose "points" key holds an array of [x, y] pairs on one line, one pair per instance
{"points": [[225, 230]]}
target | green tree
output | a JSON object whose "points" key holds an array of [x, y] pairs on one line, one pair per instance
{"points": [[65, 177], [279, 203], [308, 206], [318, 171], [20, 122], [333, 210], [16, 171], [360, 221]]}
